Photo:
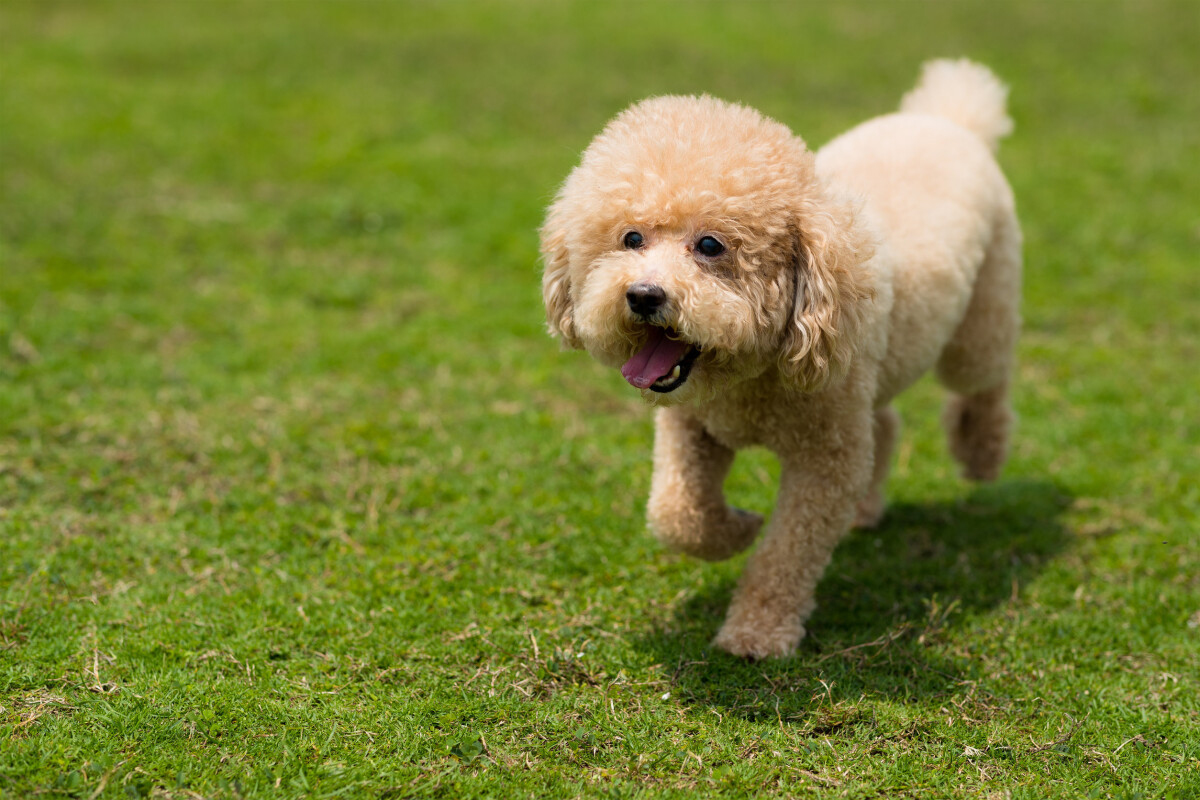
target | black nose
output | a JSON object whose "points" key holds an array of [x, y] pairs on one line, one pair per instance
{"points": [[645, 298]]}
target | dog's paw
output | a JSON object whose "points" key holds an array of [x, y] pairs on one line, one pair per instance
{"points": [[716, 542], [738, 533], [978, 427], [870, 511], [744, 530], [754, 643]]}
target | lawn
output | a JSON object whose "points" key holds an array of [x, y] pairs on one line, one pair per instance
{"points": [[298, 499]]}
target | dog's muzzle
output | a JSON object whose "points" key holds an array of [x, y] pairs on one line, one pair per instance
{"points": [[645, 299]]}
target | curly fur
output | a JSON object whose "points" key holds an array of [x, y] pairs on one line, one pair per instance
{"points": [[845, 275]]}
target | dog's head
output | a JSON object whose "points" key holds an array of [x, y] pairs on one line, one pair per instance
{"points": [[693, 247]]}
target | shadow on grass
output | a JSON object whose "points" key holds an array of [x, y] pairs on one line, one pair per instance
{"points": [[888, 594]]}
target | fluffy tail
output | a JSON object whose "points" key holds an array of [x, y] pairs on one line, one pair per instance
{"points": [[966, 93]]}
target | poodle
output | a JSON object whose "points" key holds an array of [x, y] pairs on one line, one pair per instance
{"points": [[758, 294]]}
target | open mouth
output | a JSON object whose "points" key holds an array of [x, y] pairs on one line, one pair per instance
{"points": [[662, 364]]}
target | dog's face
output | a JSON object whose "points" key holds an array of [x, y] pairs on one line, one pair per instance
{"points": [[693, 248]]}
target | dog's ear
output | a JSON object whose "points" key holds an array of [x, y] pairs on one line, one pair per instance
{"points": [[556, 287], [829, 248]]}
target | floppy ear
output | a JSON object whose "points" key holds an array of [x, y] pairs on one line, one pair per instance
{"points": [[831, 287], [556, 288]]}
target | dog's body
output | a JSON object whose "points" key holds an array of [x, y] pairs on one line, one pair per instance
{"points": [[762, 296]]}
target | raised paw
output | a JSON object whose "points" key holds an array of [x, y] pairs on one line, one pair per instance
{"points": [[978, 427], [709, 540], [745, 528]]}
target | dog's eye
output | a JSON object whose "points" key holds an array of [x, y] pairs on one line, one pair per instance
{"points": [[633, 241], [709, 247]]}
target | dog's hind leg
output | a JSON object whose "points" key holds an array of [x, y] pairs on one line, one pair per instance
{"points": [[886, 431], [687, 509], [977, 363], [978, 426]]}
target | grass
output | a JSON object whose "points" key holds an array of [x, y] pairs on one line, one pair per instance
{"points": [[297, 499]]}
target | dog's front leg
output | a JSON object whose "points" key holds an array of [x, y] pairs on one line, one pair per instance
{"points": [[820, 487], [687, 509]]}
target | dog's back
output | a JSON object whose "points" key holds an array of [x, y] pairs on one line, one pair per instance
{"points": [[941, 209]]}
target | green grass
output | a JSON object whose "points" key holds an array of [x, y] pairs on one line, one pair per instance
{"points": [[297, 499]]}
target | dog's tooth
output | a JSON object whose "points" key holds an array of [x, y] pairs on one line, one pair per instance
{"points": [[675, 372]]}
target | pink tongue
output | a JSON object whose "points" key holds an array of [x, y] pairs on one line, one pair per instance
{"points": [[656, 359]]}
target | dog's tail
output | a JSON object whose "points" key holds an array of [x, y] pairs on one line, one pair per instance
{"points": [[966, 93]]}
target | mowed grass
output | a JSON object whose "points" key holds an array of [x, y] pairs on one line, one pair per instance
{"points": [[297, 499]]}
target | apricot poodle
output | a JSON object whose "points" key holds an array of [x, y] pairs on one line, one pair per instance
{"points": [[760, 294]]}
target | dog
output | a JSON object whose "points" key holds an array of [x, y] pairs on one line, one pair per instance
{"points": [[759, 294]]}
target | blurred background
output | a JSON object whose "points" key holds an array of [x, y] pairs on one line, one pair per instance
{"points": [[235, 203]]}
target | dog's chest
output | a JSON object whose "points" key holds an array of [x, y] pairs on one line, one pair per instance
{"points": [[745, 418]]}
